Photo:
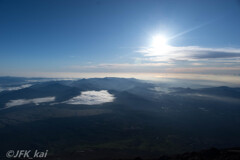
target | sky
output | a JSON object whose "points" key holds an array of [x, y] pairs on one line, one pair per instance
{"points": [[124, 38]]}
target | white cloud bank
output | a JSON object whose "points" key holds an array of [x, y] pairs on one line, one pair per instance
{"points": [[15, 88], [36, 101], [92, 98], [190, 52]]}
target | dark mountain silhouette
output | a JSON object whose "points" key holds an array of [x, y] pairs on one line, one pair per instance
{"points": [[209, 154]]}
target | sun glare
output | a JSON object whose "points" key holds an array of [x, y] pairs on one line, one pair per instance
{"points": [[159, 41], [159, 44]]}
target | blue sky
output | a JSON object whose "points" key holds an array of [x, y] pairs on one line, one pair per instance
{"points": [[59, 37]]}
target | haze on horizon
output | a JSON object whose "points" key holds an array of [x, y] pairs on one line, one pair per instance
{"points": [[144, 39]]}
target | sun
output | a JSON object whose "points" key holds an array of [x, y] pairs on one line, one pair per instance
{"points": [[159, 41], [159, 45]]}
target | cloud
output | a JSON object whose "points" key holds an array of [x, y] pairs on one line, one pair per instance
{"points": [[121, 68], [189, 53], [232, 70], [92, 98], [197, 64], [120, 65], [229, 79], [15, 88], [36, 101]]}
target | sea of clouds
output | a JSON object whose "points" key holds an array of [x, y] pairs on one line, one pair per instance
{"points": [[86, 98], [36, 101], [92, 98]]}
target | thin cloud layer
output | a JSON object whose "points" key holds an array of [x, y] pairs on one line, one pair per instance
{"points": [[15, 88], [125, 67], [92, 98], [35, 101], [189, 53]]}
